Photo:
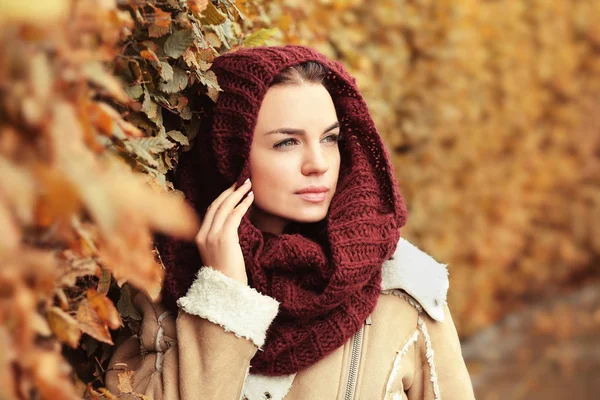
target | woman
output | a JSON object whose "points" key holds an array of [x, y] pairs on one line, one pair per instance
{"points": [[298, 285]]}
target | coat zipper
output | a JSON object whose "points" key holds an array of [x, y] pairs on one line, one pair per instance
{"points": [[357, 342]]}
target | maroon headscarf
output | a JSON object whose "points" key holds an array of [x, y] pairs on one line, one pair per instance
{"points": [[326, 275]]}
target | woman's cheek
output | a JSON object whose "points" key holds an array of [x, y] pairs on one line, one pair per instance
{"points": [[266, 184]]}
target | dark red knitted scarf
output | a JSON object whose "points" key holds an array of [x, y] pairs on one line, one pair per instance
{"points": [[326, 275]]}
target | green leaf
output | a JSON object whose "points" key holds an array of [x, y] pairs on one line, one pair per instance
{"points": [[177, 84], [166, 71], [153, 145], [149, 107], [134, 91], [135, 150], [125, 305], [104, 283], [179, 137], [261, 37], [178, 42]]}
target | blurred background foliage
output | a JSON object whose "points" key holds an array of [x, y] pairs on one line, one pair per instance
{"points": [[489, 109]]}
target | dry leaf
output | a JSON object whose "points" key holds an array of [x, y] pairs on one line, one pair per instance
{"points": [[89, 322], [104, 308], [197, 6], [178, 42], [64, 326], [161, 24]]}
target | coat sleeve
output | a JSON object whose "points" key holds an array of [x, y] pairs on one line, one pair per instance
{"points": [[203, 352], [440, 370]]}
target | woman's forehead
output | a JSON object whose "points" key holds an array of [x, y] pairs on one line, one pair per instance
{"points": [[303, 106]]}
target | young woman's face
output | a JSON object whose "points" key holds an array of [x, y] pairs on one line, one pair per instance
{"points": [[294, 149]]}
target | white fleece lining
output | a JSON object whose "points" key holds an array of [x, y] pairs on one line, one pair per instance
{"points": [[236, 307], [257, 386], [419, 275], [396, 368], [430, 359]]}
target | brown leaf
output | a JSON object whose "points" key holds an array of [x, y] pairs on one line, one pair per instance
{"points": [[129, 129], [70, 271], [100, 118], [104, 308], [60, 199], [213, 40], [161, 23], [104, 282], [97, 74], [64, 326], [197, 6], [89, 322], [149, 55]]}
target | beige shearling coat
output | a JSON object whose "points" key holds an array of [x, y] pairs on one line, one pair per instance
{"points": [[407, 349]]}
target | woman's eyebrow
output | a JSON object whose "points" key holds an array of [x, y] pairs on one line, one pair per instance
{"points": [[332, 127], [292, 131], [289, 131]]}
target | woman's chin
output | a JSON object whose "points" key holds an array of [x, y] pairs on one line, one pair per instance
{"points": [[308, 216]]}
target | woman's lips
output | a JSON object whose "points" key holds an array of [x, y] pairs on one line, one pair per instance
{"points": [[316, 197]]}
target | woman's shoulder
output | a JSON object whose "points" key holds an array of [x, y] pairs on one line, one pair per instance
{"points": [[410, 271]]}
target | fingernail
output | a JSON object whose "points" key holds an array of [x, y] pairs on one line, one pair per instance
{"points": [[251, 193], [246, 181]]}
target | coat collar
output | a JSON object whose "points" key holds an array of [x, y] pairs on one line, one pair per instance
{"points": [[419, 275]]}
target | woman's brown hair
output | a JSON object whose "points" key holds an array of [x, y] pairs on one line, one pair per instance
{"points": [[307, 72]]}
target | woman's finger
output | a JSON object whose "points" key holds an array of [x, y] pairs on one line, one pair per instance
{"points": [[212, 209], [235, 217], [227, 207]]}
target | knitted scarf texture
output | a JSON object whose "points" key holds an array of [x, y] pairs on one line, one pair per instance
{"points": [[326, 275]]}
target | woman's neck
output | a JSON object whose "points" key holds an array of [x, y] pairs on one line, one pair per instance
{"points": [[267, 222]]}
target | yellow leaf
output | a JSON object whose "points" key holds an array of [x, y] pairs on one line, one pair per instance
{"points": [[212, 15], [261, 37], [64, 326]]}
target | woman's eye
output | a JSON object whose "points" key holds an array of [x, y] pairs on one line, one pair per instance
{"points": [[332, 138], [290, 142], [285, 143]]}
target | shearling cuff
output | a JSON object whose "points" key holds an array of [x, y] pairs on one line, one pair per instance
{"points": [[236, 307]]}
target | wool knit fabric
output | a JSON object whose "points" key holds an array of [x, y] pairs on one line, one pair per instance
{"points": [[326, 275]]}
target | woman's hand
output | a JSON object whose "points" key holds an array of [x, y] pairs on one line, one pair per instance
{"points": [[218, 240]]}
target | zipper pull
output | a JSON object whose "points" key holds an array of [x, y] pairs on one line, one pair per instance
{"points": [[368, 320]]}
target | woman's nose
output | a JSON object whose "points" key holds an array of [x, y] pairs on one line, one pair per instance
{"points": [[315, 162]]}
